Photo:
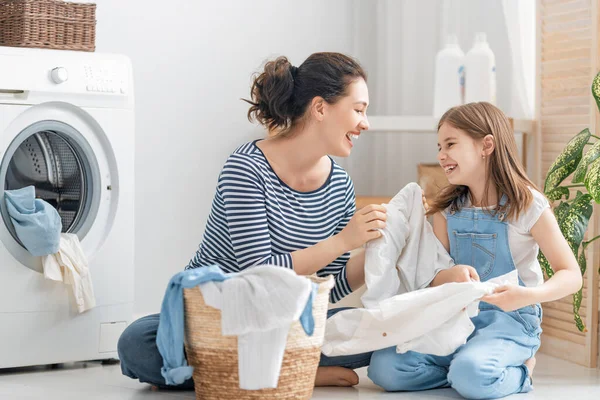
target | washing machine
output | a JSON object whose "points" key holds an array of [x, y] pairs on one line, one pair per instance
{"points": [[67, 127]]}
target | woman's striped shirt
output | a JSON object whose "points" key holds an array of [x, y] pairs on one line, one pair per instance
{"points": [[257, 219]]}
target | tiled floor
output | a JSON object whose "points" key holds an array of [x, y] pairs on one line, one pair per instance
{"points": [[554, 379]]}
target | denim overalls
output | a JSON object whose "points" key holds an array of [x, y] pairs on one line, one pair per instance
{"points": [[490, 364]]}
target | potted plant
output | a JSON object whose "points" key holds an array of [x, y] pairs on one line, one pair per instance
{"points": [[573, 215]]}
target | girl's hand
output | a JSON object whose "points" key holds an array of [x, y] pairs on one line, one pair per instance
{"points": [[510, 297], [364, 225], [458, 273]]}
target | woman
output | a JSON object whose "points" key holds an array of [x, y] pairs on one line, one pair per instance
{"points": [[284, 201]]}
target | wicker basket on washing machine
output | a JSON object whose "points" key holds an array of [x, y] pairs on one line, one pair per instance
{"points": [[48, 24], [215, 357]]}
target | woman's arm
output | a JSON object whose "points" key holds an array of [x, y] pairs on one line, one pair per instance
{"points": [[355, 269], [565, 281], [361, 229]]}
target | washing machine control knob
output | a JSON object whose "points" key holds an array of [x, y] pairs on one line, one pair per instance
{"points": [[59, 75]]}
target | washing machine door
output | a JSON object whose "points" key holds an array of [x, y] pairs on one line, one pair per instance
{"points": [[56, 157]]}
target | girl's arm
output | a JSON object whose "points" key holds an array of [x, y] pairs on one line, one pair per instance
{"points": [[567, 277], [565, 281], [440, 228]]}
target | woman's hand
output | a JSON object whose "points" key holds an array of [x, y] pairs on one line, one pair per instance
{"points": [[363, 227], [458, 273], [510, 297]]}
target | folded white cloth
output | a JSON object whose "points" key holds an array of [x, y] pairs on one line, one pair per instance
{"points": [[258, 305], [69, 265], [400, 310]]}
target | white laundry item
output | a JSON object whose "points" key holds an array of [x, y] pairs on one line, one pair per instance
{"points": [[400, 310], [438, 341], [258, 305], [432, 320], [408, 255], [69, 265]]}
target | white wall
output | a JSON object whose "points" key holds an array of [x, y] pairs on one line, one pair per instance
{"points": [[192, 62]]}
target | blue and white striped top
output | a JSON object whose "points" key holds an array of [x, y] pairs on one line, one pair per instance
{"points": [[257, 219]]}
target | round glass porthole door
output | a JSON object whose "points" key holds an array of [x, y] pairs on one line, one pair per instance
{"points": [[57, 160]]}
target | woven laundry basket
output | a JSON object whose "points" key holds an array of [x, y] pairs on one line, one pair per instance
{"points": [[215, 357], [48, 24]]}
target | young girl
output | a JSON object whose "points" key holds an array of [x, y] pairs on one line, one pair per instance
{"points": [[493, 218]]}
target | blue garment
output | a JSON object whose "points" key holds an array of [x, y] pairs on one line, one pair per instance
{"points": [[490, 364], [170, 332], [37, 223], [307, 320], [256, 219]]}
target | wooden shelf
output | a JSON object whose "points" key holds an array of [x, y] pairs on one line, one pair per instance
{"points": [[408, 123]]}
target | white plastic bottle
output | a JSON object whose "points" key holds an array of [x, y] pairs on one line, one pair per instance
{"points": [[480, 72], [449, 81]]}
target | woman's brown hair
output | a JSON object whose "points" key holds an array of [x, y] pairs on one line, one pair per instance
{"points": [[504, 171], [281, 94]]}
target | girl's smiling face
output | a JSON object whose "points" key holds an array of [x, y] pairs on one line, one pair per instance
{"points": [[461, 156]]}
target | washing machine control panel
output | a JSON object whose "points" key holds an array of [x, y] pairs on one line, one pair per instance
{"points": [[32, 76], [104, 79]]}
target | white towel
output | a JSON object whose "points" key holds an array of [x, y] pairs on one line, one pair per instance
{"points": [[258, 305], [70, 266]]}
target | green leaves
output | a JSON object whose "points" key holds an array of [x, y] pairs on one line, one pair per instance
{"points": [[592, 180], [561, 210], [596, 89], [548, 271], [590, 156], [574, 219], [579, 294], [558, 193], [582, 261], [573, 224], [574, 216], [576, 305], [567, 161]]}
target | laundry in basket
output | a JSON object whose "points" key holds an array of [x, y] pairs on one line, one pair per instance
{"points": [[249, 365]]}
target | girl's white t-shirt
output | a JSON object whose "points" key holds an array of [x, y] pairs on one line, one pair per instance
{"points": [[523, 247]]}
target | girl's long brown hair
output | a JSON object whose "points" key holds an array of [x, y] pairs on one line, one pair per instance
{"points": [[505, 174]]}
